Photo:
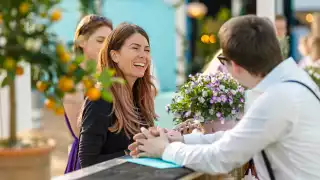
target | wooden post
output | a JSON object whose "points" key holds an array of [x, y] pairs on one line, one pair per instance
{"points": [[266, 8]]}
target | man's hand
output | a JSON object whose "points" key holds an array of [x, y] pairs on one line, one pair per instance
{"points": [[152, 146], [173, 136]]}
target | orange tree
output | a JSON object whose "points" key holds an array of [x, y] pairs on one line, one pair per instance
{"points": [[25, 39]]}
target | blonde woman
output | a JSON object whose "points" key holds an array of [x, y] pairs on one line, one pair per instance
{"points": [[88, 39]]}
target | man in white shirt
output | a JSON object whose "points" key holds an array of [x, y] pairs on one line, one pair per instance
{"points": [[281, 118]]}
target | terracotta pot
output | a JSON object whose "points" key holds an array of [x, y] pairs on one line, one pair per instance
{"points": [[26, 163], [214, 126]]}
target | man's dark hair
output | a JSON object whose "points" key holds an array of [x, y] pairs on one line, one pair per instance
{"points": [[250, 41]]}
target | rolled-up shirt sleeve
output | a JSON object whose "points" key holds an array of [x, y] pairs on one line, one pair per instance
{"points": [[265, 122]]}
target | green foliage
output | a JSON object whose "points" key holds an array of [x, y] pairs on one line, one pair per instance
{"points": [[25, 35], [284, 45], [314, 73], [25, 38]]}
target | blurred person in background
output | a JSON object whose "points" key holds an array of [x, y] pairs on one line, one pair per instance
{"points": [[313, 49], [304, 49], [281, 26], [88, 39]]}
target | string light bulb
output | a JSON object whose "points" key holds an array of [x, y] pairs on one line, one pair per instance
{"points": [[197, 10]]}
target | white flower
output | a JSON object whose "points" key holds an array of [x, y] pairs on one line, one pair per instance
{"points": [[29, 43], [211, 111], [33, 44], [3, 41], [14, 12], [222, 87], [201, 99], [201, 119], [39, 27], [13, 24], [198, 113], [204, 93], [37, 45], [233, 91], [30, 28]]}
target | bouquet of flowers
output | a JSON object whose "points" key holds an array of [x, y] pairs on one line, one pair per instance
{"points": [[208, 97], [314, 73]]}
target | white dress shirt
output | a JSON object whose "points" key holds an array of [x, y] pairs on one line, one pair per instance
{"points": [[281, 118]]}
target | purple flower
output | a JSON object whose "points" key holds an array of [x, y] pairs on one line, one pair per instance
{"points": [[218, 114], [213, 99], [187, 114], [233, 111], [193, 84], [242, 100], [230, 100], [223, 98]]}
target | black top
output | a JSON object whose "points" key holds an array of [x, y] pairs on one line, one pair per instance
{"points": [[97, 143]]}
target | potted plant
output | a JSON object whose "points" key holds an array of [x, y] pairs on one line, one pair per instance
{"points": [[25, 39], [209, 99], [215, 101]]}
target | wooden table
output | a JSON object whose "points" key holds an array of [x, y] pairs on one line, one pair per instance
{"points": [[119, 169]]}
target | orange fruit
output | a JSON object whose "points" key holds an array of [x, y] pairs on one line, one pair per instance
{"points": [[9, 63], [55, 15], [65, 57], [19, 71], [93, 94], [41, 86], [72, 68], [60, 49], [59, 110], [24, 8], [87, 82], [49, 103], [65, 84]]}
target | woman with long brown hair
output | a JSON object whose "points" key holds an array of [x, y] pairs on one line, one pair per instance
{"points": [[107, 128], [88, 39]]}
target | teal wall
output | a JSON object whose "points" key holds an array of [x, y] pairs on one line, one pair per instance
{"points": [[158, 19], [71, 16]]}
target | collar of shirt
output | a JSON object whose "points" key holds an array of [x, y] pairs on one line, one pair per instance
{"points": [[280, 73]]}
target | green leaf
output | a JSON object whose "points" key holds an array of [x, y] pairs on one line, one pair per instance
{"points": [[111, 72], [106, 95], [79, 59], [4, 82], [105, 79], [91, 66]]}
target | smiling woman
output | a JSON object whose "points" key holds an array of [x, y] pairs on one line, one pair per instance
{"points": [[107, 128]]}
